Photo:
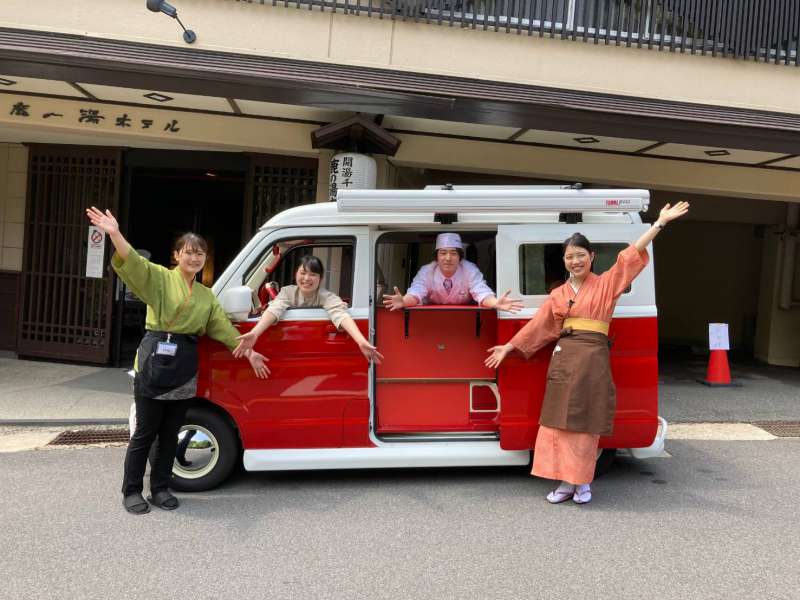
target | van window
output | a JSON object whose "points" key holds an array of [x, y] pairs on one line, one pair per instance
{"points": [[541, 266], [276, 267], [400, 255]]}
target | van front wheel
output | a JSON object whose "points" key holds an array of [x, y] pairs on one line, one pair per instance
{"points": [[208, 450]]}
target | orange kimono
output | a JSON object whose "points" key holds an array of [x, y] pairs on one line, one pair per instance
{"points": [[580, 399]]}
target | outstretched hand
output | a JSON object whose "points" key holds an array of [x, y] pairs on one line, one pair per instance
{"points": [[670, 213], [394, 301], [497, 354], [370, 352], [509, 304], [259, 364], [246, 342], [103, 221]]}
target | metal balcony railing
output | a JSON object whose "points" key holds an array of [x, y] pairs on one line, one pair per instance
{"points": [[760, 30]]}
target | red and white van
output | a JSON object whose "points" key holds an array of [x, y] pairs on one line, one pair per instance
{"points": [[433, 402]]}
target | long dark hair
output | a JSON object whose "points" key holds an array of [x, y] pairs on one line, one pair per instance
{"points": [[579, 241], [311, 263]]}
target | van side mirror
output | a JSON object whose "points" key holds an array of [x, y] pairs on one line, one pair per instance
{"points": [[237, 302]]}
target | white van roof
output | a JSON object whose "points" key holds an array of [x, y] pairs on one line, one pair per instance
{"points": [[473, 205]]}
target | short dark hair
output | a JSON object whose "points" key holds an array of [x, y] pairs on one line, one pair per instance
{"points": [[578, 240], [311, 263], [459, 250], [192, 240]]}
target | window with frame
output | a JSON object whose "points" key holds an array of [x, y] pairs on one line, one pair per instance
{"points": [[276, 267], [400, 255], [541, 266]]}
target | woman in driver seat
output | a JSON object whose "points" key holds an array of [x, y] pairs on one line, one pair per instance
{"points": [[308, 294]]}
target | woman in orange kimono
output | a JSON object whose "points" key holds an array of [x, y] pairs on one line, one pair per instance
{"points": [[580, 399]]}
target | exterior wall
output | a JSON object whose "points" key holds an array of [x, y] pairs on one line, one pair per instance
{"points": [[252, 28], [13, 181], [777, 339], [709, 268], [13, 172], [193, 131], [233, 133]]}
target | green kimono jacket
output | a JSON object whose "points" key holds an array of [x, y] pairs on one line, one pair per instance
{"points": [[165, 291]]}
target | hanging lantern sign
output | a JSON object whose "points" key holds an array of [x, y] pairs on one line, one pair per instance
{"points": [[352, 171]]}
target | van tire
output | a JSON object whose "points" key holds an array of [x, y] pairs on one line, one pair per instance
{"points": [[604, 462], [226, 452]]}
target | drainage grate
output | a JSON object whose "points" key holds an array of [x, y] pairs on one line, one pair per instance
{"points": [[91, 436], [780, 428]]}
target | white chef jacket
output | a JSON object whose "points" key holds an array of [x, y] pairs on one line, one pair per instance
{"points": [[468, 283]]}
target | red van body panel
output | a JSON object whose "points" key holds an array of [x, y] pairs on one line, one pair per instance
{"points": [[315, 397], [317, 393], [432, 353], [634, 368]]}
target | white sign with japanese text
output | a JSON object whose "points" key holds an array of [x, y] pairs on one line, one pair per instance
{"points": [[351, 171], [95, 255], [718, 336]]}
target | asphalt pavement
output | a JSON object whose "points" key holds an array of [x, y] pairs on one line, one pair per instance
{"points": [[716, 520]]}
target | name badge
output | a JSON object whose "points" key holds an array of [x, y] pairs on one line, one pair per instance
{"points": [[167, 348]]}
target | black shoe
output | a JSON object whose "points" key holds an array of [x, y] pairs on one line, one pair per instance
{"points": [[164, 500], [135, 504]]}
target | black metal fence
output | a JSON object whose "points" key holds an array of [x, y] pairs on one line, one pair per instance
{"points": [[762, 30]]}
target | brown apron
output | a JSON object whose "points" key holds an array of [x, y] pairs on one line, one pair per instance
{"points": [[580, 394]]}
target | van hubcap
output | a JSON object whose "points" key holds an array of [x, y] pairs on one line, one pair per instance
{"points": [[198, 452]]}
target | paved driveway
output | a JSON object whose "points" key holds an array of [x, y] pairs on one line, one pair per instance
{"points": [[716, 520]]}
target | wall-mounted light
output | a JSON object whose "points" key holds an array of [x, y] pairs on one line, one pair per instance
{"points": [[189, 36]]}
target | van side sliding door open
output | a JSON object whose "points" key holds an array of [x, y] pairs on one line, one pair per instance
{"points": [[433, 384]]}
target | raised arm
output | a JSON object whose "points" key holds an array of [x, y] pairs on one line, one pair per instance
{"points": [[248, 340], [108, 224], [415, 294], [397, 300], [667, 214], [504, 302], [220, 328], [542, 329], [272, 315], [369, 351]]}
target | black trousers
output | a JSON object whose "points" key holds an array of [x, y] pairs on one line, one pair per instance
{"points": [[156, 421]]}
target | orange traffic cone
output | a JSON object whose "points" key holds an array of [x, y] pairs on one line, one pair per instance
{"points": [[718, 373]]}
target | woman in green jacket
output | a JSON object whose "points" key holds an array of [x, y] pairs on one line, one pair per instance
{"points": [[179, 311]]}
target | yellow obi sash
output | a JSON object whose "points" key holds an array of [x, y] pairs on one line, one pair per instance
{"points": [[586, 325]]}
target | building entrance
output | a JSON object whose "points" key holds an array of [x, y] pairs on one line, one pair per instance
{"points": [[163, 204]]}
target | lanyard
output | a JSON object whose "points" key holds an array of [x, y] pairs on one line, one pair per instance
{"points": [[574, 298]]}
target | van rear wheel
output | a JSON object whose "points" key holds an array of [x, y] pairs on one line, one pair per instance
{"points": [[208, 450]]}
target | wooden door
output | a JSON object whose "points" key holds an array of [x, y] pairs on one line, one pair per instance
{"points": [[276, 183], [64, 314]]}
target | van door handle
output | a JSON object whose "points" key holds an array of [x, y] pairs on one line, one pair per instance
{"points": [[333, 332]]}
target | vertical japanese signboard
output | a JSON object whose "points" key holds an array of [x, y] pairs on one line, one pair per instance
{"points": [[96, 253]]}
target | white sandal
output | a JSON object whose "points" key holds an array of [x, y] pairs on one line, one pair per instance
{"points": [[561, 494], [583, 494]]}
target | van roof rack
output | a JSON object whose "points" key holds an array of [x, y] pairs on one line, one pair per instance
{"points": [[493, 200]]}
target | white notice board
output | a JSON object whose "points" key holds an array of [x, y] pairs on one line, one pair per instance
{"points": [[96, 252], [718, 336]]}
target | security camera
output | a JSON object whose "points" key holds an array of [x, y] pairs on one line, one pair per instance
{"points": [[189, 36]]}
